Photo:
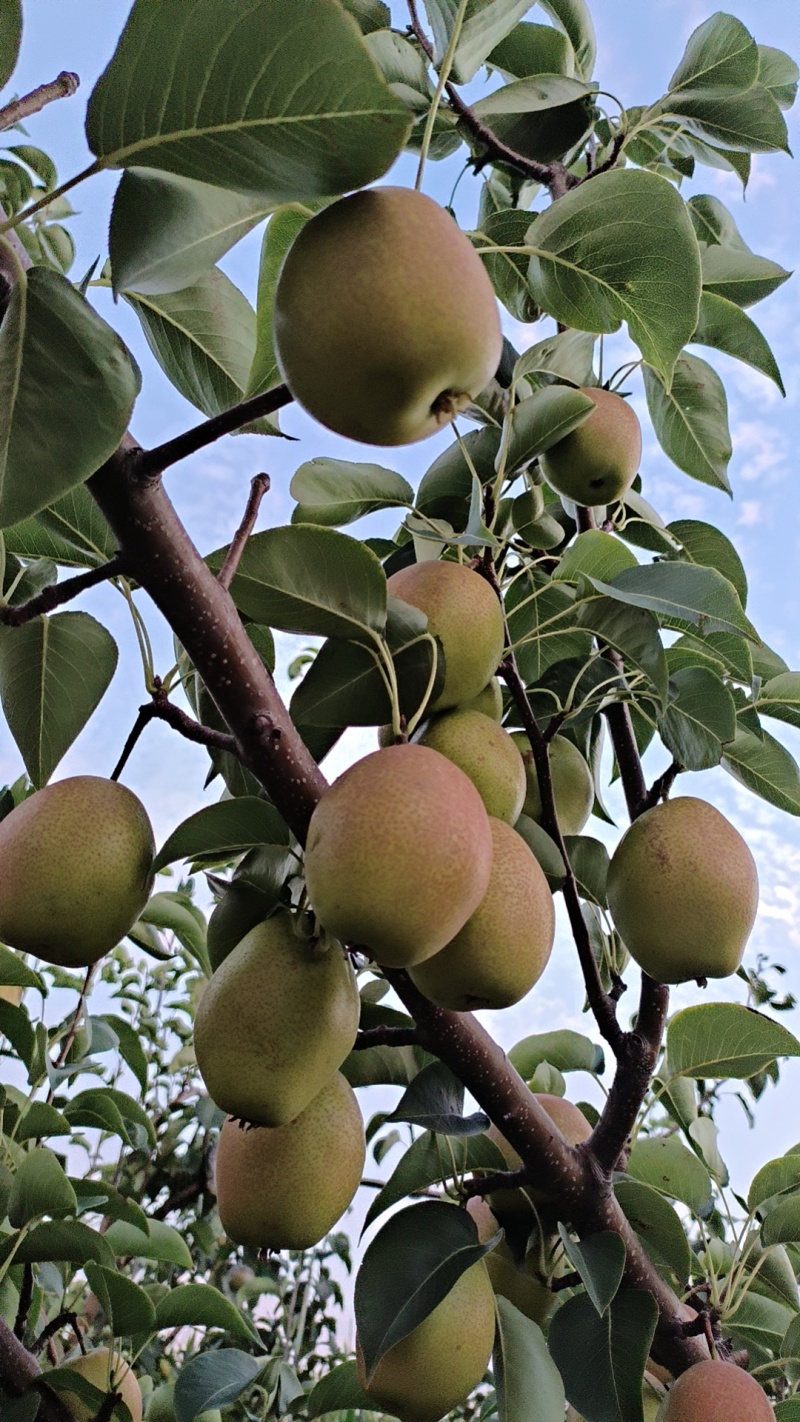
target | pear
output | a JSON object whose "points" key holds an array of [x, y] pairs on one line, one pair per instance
{"points": [[597, 462], [277, 1019], [573, 1126], [399, 854], [714, 1391], [683, 891], [504, 947], [12, 995], [489, 701], [573, 786], [434, 1368], [95, 1368], [161, 1407], [285, 1188], [386, 323], [521, 1287], [77, 862], [486, 753], [465, 614]]}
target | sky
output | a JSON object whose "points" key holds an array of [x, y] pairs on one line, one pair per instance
{"points": [[639, 46]]}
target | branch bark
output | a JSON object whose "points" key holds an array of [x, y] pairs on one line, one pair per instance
{"points": [[153, 462], [62, 87], [59, 593]]}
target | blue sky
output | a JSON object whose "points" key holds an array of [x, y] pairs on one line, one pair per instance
{"points": [[639, 46]]}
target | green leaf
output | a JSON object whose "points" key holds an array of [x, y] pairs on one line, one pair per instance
{"points": [[589, 860], [564, 1049], [523, 1369], [633, 632], [41, 1120], [312, 581], [533, 49], [775, 1178], [594, 554], [600, 1261], [96, 1197], [435, 1101], [699, 720], [175, 913], [239, 118], [667, 1165], [14, 972], [63, 1241], [227, 828], [782, 1224], [410, 1266], [279, 235], [130, 1047], [750, 122], [197, 224], [15, 1024], [722, 1039], [657, 1225], [740, 276], [573, 17], [201, 1306], [40, 1188], [67, 389], [331, 491], [75, 1390], [109, 1110], [780, 697], [602, 1360], [446, 488], [691, 420], [163, 1243], [10, 37], [336, 1391], [126, 1305], [370, 14], [765, 767], [621, 248], [713, 223], [568, 355], [779, 73], [720, 58], [54, 672], [541, 420], [544, 849], [429, 1159], [508, 271], [76, 520], [541, 117], [690, 594], [486, 23], [213, 1380], [704, 544], [725, 327], [204, 339]]}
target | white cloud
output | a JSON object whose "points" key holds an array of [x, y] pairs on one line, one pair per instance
{"points": [[750, 513]]}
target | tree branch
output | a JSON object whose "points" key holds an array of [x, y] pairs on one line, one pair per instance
{"points": [[59, 593], [152, 462], [161, 709], [259, 486], [21, 1374], [386, 1037], [61, 88]]}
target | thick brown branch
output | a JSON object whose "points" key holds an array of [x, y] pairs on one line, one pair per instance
{"points": [[61, 88], [259, 486], [153, 462], [59, 593]]}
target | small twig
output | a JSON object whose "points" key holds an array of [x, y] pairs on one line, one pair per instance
{"points": [[143, 719], [566, 1281], [161, 709], [76, 1018], [25, 1300], [150, 463], [660, 788], [184, 1196], [259, 486], [386, 1037], [610, 162], [481, 1185], [59, 593], [61, 88], [62, 1320], [105, 1411]]}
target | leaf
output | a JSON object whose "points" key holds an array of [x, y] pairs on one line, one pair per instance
{"points": [[312, 581], [542, 117], [41, 1120], [544, 850], [725, 326], [524, 1370], [429, 1159], [568, 355], [204, 339], [77, 520], [64, 1241], [175, 913], [130, 1047], [508, 271], [337, 1390], [109, 1110], [739, 275], [723, 1039], [331, 491], [40, 1188], [67, 389], [620, 248], [197, 224], [600, 1261], [435, 1101], [201, 1306], [127, 1307], [589, 860], [163, 1243], [657, 1225], [704, 544], [750, 122], [667, 1165], [280, 233], [633, 632], [602, 1360], [14, 972], [691, 420], [714, 223], [690, 594], [564, 1049], [594, 554], [227, 828], [15, 1024], [410, 1266], [10, 37], [486, 23], [370, 14], [774, 1178], [782, 1223], [54, 672], [213, 1380], [699, 720], [541, 420], [704, 1133], [779, 73], [759, 1325], [780, 697], [721, 57], [239, 118], [765, 767], [573, 17]]}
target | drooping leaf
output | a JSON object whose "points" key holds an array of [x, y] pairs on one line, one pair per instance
{"points": [[723, 1039], [338, 1391], [779, 73], [667, 1165], [69, 1241], [699, 719], [10, 36], [524, 1370], [633, 632], [333, 492], [621, 248], [602, 1360], [432, 1158], [700, 596], [67, 389], [765, 767], [202, 1306], [435, 1101], [278, 238], [507, 270], [54, 672], [727, 328], [127, 1307], [541, 117], [564, 1049], [14, 972], [229, 827], [567, 356], [239, 118], [704, 544], [691, 420], [600, 1261], [40, 1188], [162, 1243], [658, 1226], [213, 1380], [485, 24], [543, 419], [573, 17]]}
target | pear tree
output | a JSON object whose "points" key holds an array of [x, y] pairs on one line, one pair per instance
{"points": [[182, 1141]]}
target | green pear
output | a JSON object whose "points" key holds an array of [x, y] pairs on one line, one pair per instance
{"points": [[465, 614], [286, 1187], [597, 462], [386, 323], [713, 1391], [106, 1375], [521, 1287], [77, 862], [436, 1367], [489, 701], [573, 786], [486, 753], [399, 854], [504, 947], [161, 1407], [573, 1126], [275, 1022], [683, 891]]}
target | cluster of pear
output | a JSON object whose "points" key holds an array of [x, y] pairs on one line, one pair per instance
{"points": [[77, 862]]}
